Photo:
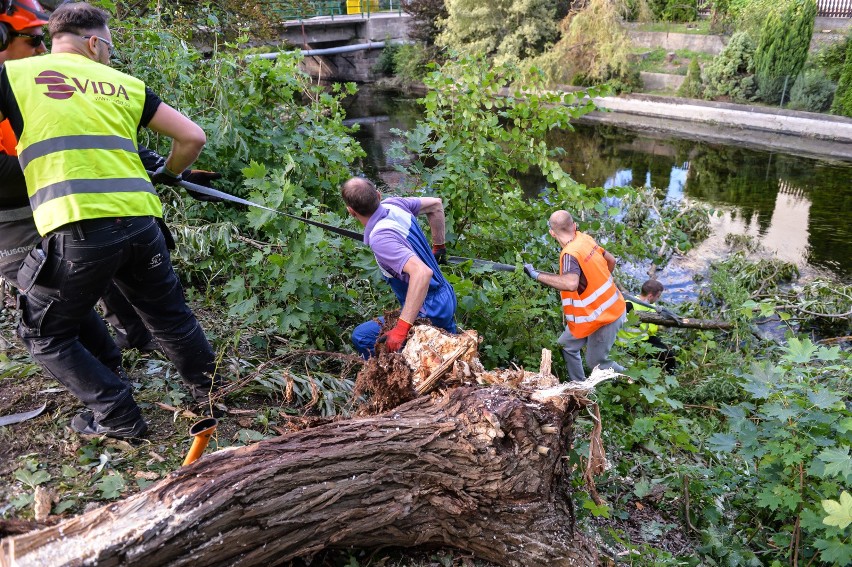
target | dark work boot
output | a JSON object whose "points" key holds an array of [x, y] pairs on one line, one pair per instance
{"points": [[201, 396], [122, 375], [86, 424]]}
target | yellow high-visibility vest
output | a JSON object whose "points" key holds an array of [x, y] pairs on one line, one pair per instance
{"points": [[78, 148], [644, 330]]}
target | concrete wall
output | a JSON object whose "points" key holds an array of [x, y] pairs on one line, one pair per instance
{"points": [[343, 30], [841, 24], [387, 26], [356, 66], [673, 41], [661, 81], [826, 31], [802, 133]]}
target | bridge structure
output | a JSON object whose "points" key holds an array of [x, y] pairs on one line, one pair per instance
{"points": [[326, 25]]}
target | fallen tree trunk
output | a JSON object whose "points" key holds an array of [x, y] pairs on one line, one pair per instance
{"points": [[666, 321], [478, 469]]}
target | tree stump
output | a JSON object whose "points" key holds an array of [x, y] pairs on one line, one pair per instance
{"points": [[471, 469]]}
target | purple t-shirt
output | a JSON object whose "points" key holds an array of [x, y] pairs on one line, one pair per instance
{"points": [[387, 233]]}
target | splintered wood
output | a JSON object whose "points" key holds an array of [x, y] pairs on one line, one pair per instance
{"points": [[434, 355]]}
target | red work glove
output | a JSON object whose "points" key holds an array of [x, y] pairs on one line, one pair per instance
{"points": [[396, 336], [440, 253]]}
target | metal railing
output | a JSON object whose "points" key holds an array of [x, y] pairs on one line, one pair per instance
{"points": [[303, 9], [834, 8], [825, 8]]}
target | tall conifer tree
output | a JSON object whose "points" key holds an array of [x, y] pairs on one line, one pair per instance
{"points": [[783, 47], [843, 95]]}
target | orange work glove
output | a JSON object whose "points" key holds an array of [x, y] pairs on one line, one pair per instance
{"points": [[396, 336]]}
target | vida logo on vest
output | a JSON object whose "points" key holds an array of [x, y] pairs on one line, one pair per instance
{"points": [[59, 89]]}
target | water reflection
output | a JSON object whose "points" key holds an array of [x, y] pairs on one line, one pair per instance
{"points": [[799, 208]]}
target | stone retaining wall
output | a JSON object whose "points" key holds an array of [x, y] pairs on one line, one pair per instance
{"points": [[779, 129], [660, 81], [673, 41]]}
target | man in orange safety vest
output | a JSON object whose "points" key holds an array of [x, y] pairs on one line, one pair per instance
{"points": [[592, 306]]}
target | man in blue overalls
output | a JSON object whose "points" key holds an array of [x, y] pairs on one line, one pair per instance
{"points": [[405, 258]]}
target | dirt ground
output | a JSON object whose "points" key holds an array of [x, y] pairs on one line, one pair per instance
{"points": [[43, 461]]}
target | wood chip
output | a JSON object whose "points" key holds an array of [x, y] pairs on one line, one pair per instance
{"points": [[242, 411], [156, 457], [147, 475], [43, 500]]}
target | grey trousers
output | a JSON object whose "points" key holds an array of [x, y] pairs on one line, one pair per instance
{"points": [[598, 345]]}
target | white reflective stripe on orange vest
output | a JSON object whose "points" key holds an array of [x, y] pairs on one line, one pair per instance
{"points": [[596, 313], [591, 299]]}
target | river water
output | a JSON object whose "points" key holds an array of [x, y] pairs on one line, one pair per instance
{"points": [[799, 208]]}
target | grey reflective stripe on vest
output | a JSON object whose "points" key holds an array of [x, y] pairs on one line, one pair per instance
{"points": [[81, 186], [594, 314], [82, 142], [21, 213]]}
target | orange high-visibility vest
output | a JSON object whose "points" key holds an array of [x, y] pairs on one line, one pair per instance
{"points": [[8, 140], [600, 303]]}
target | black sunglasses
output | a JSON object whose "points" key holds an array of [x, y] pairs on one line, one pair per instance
{"points": [[35, 40]]}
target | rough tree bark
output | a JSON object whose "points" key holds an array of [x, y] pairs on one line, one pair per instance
{"points": [[478, 469]]}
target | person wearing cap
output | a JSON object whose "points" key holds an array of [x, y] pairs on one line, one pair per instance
{"points": [[76, 122], [592, 306], [405, 258], [21, 36]]}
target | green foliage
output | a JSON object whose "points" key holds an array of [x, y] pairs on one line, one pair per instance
{"points": [[692, 85], [782, 47], [793, 441], [594, 48], [749, 16], [111, 486], [731, 73], [839, 513], [674, 10], [387, 60], [468, 150], [507, 31], [812, 91], [752, 276], [425, 16], [251, 110], [270, 126], [830, 59], [821, 306], [843, 97], [31, 474], [411, 62]]}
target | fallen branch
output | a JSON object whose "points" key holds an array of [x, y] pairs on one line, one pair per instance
{"points": [[687, 323]]}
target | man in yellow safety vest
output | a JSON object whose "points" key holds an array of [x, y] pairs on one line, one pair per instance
{"points": [[76, 119]]}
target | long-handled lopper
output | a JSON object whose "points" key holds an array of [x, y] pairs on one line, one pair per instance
{"points": [[209, 191], [360, 238]]}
